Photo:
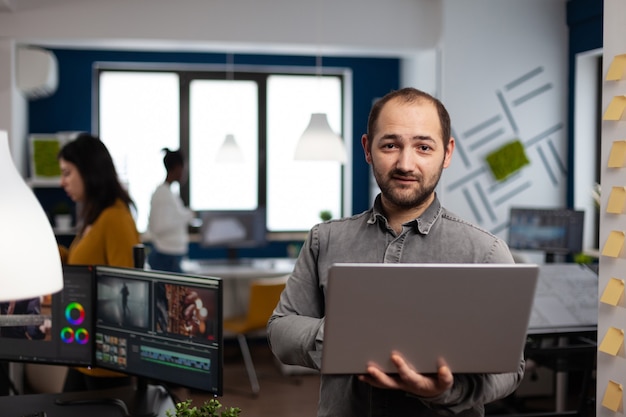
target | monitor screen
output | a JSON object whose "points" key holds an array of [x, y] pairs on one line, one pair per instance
{"points": [[160, 326], [554, 231], [233, 229], [55, 329]]}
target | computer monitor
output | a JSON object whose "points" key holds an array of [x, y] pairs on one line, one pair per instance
{"points": [[233, 229], [553, 231], [160, 326], [54, 329]]}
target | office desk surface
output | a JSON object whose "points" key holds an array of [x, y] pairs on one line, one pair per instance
{"points": [[241, 268], [566, 299], [105, 403], [237, 277]]}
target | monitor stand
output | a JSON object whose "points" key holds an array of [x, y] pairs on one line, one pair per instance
{"points": [[146, 400], [552, 258], [232, 256]]}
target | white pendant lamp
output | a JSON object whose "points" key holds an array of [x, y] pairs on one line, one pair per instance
{"points": [[229, 152], [30, 264], [319, 142]]}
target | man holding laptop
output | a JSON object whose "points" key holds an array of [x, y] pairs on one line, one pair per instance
{"points": [[408, 144]]}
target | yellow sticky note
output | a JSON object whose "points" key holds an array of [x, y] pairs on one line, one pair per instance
{"points": [[616, 108], [617, 200], [613, 396], [614, 244], [613, 292], [617, 67], [612, 342], [617, 156]]}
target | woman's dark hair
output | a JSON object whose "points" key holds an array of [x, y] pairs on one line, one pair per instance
{"points": [[95, 165], [172, 159]]}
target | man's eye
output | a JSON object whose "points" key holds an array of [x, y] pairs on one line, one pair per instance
{"points": [[424, 148]]}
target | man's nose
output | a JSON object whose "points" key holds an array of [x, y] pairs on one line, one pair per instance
{"points": [[406, 160]]}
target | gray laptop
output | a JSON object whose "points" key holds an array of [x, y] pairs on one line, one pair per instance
{"points": [[475, 316]]}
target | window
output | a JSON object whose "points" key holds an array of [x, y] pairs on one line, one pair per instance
{"points": [[218, 108], [142, 111], [139, 116], [299, 190]]}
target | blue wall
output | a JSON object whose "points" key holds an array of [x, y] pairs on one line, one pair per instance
{"points": [[584, 19], [70, 107]]}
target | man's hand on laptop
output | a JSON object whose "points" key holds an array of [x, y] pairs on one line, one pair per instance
{"points": [[408, 379]]}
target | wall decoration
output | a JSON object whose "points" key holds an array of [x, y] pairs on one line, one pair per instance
{"points": [[488, 179], [507, 160]]}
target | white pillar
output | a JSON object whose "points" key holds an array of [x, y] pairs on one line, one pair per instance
{"points": [[13, 106]]}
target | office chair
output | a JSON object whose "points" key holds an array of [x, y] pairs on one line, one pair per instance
{"points": [[264, 295]]}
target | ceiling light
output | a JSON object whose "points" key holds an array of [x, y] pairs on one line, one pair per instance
{"points": [[229, 152], [319, 142]]}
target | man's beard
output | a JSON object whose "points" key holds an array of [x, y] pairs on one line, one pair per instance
{"points": [[406, 198]]}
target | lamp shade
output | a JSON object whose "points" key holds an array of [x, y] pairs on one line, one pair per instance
{"points": [[229, 151], [30, 264], [319, 142]]}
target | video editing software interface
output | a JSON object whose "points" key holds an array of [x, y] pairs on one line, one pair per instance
{"points": [[56, 328], [161, 326]]}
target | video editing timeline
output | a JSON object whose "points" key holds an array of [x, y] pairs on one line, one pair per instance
{"points": [[175, 359], [160, 326]]}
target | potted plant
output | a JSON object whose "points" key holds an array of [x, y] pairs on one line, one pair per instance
{"points": [[208, 409], [326, 215], [62, 215]]}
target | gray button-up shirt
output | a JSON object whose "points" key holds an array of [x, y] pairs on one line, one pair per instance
{"points": [[297, 326]]}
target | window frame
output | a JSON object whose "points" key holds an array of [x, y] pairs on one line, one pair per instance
{"points": [[259, 74]]}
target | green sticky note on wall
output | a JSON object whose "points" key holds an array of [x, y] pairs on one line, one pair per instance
{"points": [[507, 160]]}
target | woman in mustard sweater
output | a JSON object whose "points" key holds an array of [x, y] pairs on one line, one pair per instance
{"points": [[106, 229]]}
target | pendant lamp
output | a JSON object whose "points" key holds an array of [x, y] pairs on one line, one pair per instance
{"points": [[229, 152], [30, 264], [319, 142]]}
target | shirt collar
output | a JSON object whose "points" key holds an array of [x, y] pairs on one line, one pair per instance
{"points": [[423, 223]]}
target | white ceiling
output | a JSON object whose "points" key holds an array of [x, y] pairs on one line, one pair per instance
{"points": [[288, 26]]}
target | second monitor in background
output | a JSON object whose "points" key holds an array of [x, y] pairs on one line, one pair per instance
{"points": [[556, 232], [233, 230]]}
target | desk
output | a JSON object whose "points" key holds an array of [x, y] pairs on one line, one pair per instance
{"points": [[241, 268], [566, 299], [237, 276], [562, 333], [105, 403]]}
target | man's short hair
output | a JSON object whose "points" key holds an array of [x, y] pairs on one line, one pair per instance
{"points": [[410, 95]]}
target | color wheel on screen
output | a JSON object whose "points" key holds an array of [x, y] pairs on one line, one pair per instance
{"points": [[74, 313], [69, 335]]}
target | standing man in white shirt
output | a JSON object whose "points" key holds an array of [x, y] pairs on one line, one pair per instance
{"points": [[169, 218]]}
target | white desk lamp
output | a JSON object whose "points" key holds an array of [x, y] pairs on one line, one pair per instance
{"points": [[30, 264]]}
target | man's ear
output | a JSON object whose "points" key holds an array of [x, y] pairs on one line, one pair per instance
{"points": [[449, 151], [366, 148]]}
